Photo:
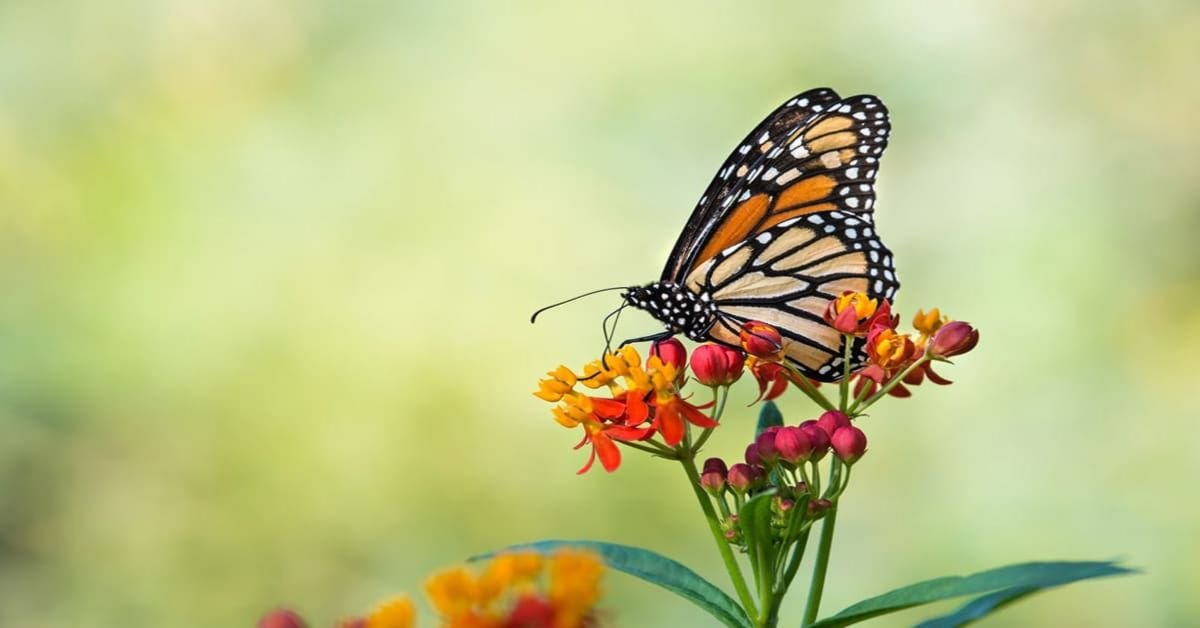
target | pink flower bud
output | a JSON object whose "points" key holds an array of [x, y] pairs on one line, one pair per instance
{"points": [[752, 457], [717, 365], [670, 351], [832, 420], [849, 443], [953, 338], [281, 618], [765, 443], [819, 438], [793, 445], [741, 477], [761, 340], [713, 477]]}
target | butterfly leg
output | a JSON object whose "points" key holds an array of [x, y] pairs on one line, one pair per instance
{"points": [[662, 335]]}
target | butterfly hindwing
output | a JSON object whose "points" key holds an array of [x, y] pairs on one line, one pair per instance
{"points": [[786, 275]]}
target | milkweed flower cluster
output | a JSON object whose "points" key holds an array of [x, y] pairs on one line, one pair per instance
{"points": [[645, 406], [644, 400], [515, 590]]}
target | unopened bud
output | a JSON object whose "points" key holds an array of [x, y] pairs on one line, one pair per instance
{"points": [[281, 618], [849, 443]]}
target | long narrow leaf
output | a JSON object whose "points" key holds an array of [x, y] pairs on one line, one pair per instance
{"points": [[979, 607], [651, 567], [1034, 576]]}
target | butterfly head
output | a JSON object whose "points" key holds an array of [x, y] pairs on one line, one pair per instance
{"points": [[679, 309]]}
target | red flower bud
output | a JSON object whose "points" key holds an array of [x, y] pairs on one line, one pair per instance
{"points": [[793, 445], [765, 443], [741, 477], [953, 338], [819, 506], [281, 618], [849, 443], [670, 351], [712, 479], [717, 365], [761, 340], [831, 420], [819, 438], [752, 457]]}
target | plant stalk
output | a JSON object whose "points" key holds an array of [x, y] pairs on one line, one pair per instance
{"points": [[714, 525]]}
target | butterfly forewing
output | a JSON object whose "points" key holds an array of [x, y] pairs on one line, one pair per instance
{"points": [[816, 153]]}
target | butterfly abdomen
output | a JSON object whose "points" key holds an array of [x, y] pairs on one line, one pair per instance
{"points": [[679, 309]]}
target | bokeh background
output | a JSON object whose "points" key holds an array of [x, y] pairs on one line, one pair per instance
{"points": [[266, 270]]}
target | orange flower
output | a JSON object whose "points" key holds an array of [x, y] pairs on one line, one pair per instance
{"points": [[890, 350], [853, 313]]}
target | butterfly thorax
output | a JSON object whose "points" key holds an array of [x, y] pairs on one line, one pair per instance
{"points": [[679, 309]]}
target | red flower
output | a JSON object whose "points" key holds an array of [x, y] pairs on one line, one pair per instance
{"points": [[890, 350], [602, 438], [854, 313], [717, 365], [669, 415], [772, 378], [871, 378], [761, 340], [919, 374], [953, 338]]}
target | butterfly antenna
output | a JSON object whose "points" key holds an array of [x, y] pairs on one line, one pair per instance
{"points": [[533, 319]]}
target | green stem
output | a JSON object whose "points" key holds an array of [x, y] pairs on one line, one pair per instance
{"points": [[793, 566], [819, 567], [731, 564], [807, 388], [716, 417], [663, 452], [844, 385], [892, 383]]}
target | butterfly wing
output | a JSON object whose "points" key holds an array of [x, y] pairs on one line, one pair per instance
{"points": [[815, 153], [785, 276]]}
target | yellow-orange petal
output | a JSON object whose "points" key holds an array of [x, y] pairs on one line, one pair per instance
{"points": [[452, 592], [508, 571], [575, 580], [927, 323], [397, 612]]}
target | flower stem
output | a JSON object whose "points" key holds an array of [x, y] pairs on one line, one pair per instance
{"points": [[817, 586], [807, 388], [844, 385], [890, 385], [716, 417], [714, 525], [822, 563]]}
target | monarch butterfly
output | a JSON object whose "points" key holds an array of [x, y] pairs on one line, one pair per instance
{"points": [[784, 226]]}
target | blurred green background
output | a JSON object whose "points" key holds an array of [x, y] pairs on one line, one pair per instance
{"points": [[266, 270]]}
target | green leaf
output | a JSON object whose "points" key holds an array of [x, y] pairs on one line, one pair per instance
{"points": [[769, 416], [979, 607], [651, 567], [1029, 577]]}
